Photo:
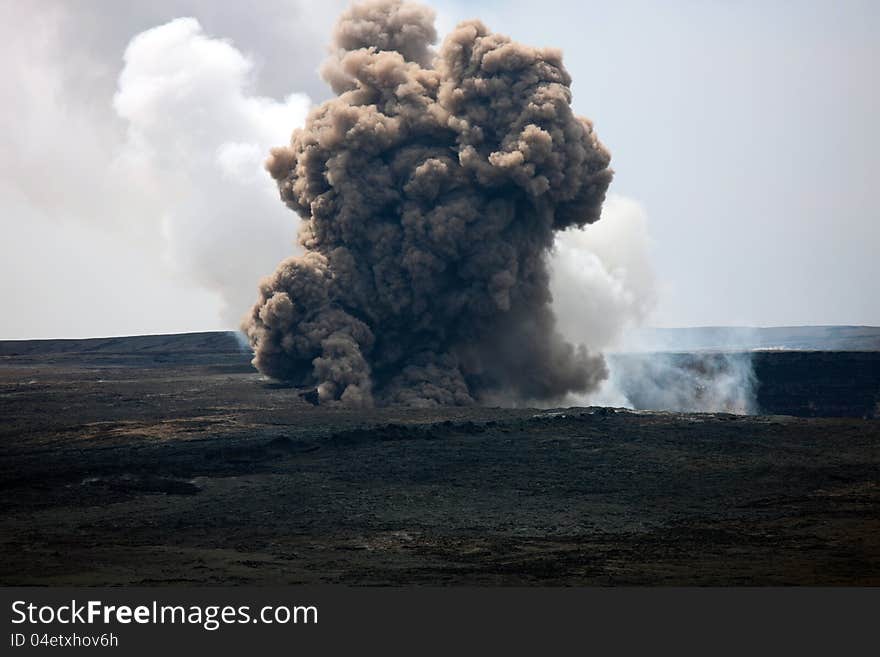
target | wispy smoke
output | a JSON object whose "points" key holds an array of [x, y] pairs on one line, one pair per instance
{"points": [[688, 382], [604, 290], [431, 191]]}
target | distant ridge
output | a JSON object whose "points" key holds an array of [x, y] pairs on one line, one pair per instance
{"points": [[704, 338], [804, 371], [737, 338], [207, 341]]}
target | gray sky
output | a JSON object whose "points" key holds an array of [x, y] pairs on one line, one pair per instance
{"points": [[745, 130]]}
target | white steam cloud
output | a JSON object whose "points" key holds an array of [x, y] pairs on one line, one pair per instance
{"points": [[605, 290], [196, 141], [602, 280]]}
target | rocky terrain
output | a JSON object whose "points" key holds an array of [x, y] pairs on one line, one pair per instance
{"points": [[167, 460], [818, 383]]}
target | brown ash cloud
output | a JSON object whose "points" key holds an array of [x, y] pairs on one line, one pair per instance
{"points": [[430, 188]]}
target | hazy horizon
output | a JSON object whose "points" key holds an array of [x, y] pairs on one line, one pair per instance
{"points": [[644, 328]]}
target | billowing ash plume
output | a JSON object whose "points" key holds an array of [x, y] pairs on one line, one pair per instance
{"points": [[431, 189]]}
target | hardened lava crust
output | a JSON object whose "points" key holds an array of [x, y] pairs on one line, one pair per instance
{"points": [[166, 460]]}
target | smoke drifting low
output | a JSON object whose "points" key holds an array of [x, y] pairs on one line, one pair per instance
{"points": [[431, 191]]}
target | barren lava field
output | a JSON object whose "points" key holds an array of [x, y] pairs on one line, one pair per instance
{"points": [[167, 460]]}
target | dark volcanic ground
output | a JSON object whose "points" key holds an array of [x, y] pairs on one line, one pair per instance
{"points": [[166, 460]]}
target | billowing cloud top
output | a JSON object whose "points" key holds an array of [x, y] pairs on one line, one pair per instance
{"points": [[431, 189]]}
